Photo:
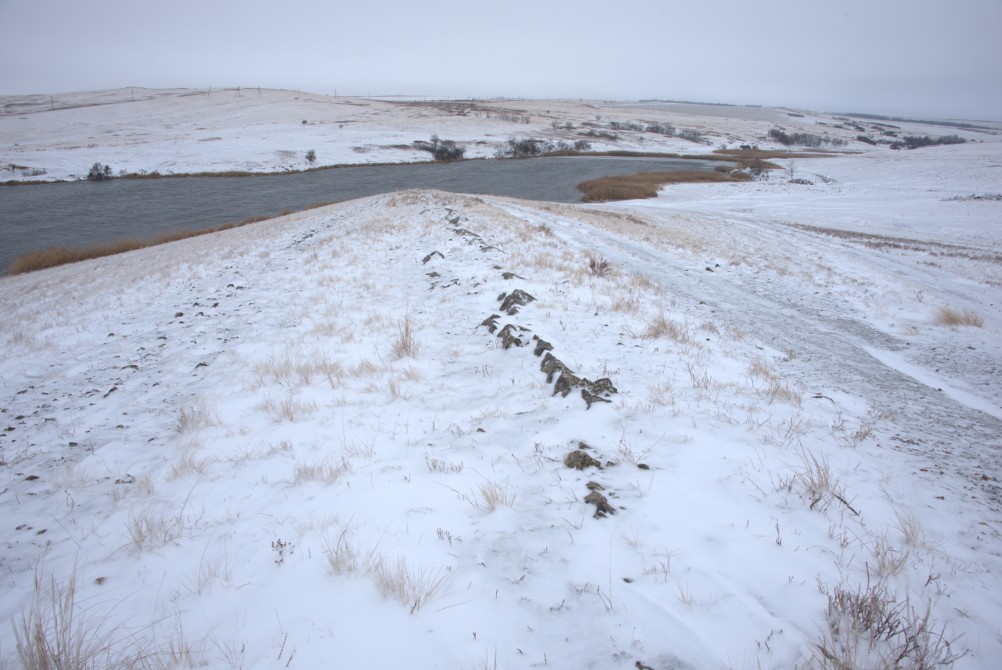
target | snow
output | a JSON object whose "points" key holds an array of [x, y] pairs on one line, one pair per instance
{"points": [[227, 444]]}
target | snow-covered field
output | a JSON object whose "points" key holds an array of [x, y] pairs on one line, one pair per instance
{"points": [[303, 443], [142, 131]]}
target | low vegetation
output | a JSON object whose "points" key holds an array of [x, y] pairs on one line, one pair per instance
{"points": [[524, 148], [657, 128], [919, 141], [804, 139], [99, 172], [948, 316], [442, 150], [647, 184]]}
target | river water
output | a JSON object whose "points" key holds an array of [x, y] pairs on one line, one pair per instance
{"points": [[82, 213]]}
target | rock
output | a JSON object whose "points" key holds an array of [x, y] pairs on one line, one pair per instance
{"points": [[579, 460], [491, 322], [512, 301], [590, 398], [551, 365], [565, 383], [601, 503], [509, 338], [541, 345]]}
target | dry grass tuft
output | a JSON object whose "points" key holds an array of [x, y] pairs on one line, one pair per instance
{"points": [[291, 409], [150, 529], [406, 345], [947, 316], [195, 418], [393, 579], [493, 495], [410, 587], [815, 483], [55, 634], [662, 326], [327, 471]]}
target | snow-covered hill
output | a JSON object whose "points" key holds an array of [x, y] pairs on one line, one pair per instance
{"points": [[142, 131], [342, 438]]}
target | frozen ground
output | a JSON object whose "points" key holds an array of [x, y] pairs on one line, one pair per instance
{"points": [[299, 442]]}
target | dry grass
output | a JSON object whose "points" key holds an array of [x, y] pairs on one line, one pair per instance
{"points": [[662, 326], [947, 316], [815, 483], [406, 345], [196, 417], [775, 388], [58, 633], [290, 409], [646, 184], [327, 471], [53, 634], [188, 462], [395, 579], [150, 529], [493, 495], [410, 587], [887, 559]]}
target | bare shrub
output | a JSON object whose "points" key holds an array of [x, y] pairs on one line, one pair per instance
{"points": [[599, 267], [868, 628], [442, 150], [99, 172], [523, 148], [919, 141], [804, 139], [815, 483], [948, 316]]}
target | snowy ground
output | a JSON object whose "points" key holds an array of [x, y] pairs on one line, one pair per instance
{"points": [[299, 442], [135, 130]]}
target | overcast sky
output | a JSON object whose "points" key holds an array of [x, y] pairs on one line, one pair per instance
{"points": [[900, 57]]}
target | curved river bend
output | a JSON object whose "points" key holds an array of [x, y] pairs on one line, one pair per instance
{"points": [[82, 213]]}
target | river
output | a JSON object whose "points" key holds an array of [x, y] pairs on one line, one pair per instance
{"points": [[81, 213]]}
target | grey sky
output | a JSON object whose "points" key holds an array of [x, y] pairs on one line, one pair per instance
{"points": [[903, 57]]}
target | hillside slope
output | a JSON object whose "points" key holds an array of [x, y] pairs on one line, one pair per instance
{"points": [[332, 437]]}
